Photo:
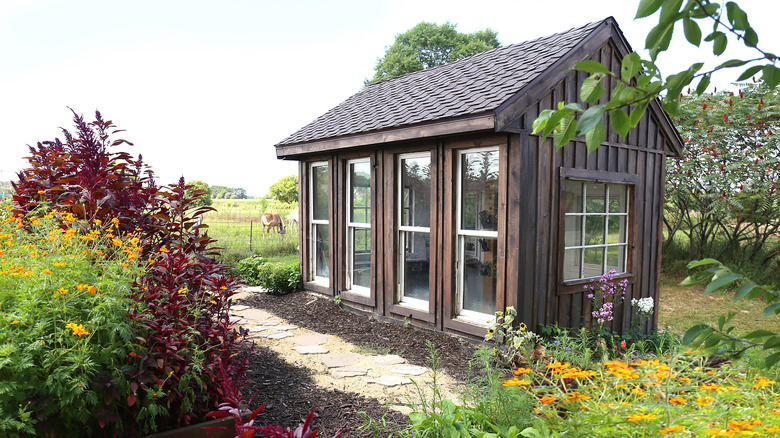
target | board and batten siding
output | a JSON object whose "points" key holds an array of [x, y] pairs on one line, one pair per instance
{"points": [[535, 239]]}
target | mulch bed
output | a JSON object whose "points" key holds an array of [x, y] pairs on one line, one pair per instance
{"points": [[289, 392]]}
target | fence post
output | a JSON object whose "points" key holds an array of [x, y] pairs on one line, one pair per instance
{"points": [[250, 235]]}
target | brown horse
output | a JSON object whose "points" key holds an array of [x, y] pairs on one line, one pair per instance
{"points": [[272, 220]]}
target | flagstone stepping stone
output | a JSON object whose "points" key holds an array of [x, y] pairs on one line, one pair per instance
{"points": [[256, 314], [266, 323], [276, 335], [238, 307], [239, 321], [259, 329], [341, 360], [390, 380], [253, 288], [389, 359], [284, 328], [340, 373], [310, 349], [409, 370], [312, 339]]}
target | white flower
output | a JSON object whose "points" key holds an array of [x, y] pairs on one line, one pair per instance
{"points": [[645, 305]]}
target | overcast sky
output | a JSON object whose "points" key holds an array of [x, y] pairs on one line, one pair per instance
{"points": [[205, 89]]}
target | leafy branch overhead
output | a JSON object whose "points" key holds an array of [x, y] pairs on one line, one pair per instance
{"points": [[640, 80]]}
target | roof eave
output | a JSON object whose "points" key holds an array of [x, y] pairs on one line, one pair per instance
{"points": [[438, 128]]}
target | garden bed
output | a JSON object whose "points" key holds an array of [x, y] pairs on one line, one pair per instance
{"points": [[289, 391]]}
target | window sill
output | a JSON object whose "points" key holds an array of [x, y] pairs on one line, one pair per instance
{"points": [[576, 286]]}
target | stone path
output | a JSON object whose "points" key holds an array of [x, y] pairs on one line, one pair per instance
{"points": [[337, 364]]}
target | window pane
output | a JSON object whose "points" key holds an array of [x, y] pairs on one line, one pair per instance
{"points": [[573, 230], [594, 230], [617, 198], [321, 238], [616, 259], [416, 192], [415, 264], [594, 260], [360, 191], [616, 231], [595, 194], [571, 264], [319, 176], [479, 191], [573, 197], [361, 257], [479, 275]]}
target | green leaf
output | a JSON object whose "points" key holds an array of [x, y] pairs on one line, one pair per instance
{"points": [[417, 418], [771, 360], [710, 10], [758, 334], [693, 332], [541, 122], [658, 39], [743, 290], [619, 120], [692, 31], [589, 118], [737, 17], [567, 129], [630, 66], [670, 11], [637, 113], [751, 37], [732, 63], [703, 84], [702, 262], [696, 278], [772, 342], [771, 75], [719, 44], [769, 310], [591, 67], [595, 137], [751, 71], [721, 281], [591, 89], [648, 7]]}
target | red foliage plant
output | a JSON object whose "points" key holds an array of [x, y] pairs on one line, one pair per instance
{"points": [[182, 301]]}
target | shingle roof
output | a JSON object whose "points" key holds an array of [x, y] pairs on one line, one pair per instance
{"points": [[472, 85]]}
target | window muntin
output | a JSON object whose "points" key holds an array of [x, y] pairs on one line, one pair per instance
{"points": [[477, 233], [358, 275], [414, 229], [596, 229], [320, 227]]}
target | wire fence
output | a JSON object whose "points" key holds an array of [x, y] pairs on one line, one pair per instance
{"points": [[242, 235]]}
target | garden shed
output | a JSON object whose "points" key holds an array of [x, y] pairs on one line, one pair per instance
{"points": [[426, 198]]}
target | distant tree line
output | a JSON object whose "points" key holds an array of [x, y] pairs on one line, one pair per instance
{"points": [[222, 192]]}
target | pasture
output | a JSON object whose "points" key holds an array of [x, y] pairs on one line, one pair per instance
{"points": [[237, 228]]}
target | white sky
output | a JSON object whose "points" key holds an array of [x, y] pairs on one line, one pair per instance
{"points": [[205, 89]]}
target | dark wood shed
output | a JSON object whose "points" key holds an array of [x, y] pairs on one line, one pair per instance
{"points": [[426, 197]]}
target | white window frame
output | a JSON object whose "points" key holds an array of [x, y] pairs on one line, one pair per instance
{"points": [[461, 235], [312, 227], [606, 215], [351, 226], [414, 303]]}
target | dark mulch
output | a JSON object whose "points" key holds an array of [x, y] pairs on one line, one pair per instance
{"points": [[289, 392]]}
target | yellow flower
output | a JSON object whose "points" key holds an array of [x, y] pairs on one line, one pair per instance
{"points": [[678, 401], [62, 290], [763, 381], [165, 250], [46, 271], [98, 222], [522, 327], [548, 399], [772, 429], [78, 329], [519, 371], [135, 240], [671, 429], [641, 417], [182, 290], [704, 401], [14, 322], [516, 382], [720, 432], [558, 365], [213, 302], [115, 221], [60, 264], [116, 241]]}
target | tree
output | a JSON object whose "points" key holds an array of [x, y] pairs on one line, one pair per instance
{"points": [[428, 45], [205, 192], [725, 182], [222, 192], [285, 190], [640, 80]]}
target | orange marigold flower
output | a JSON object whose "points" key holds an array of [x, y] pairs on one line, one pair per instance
{"points": [[134, 241], [516, 382], [519, 371], [98, 222], [100, 253], [763, 381], [131, 354], [574, 396], [116, 241], [60, 264], [720, 432], [115, 221], [704, 401], [671, 429], [62, 290], [558, 365], [46, 271], [81, 286], [14, 322], [712, 387], [92, 289], [620, 385], [165, 250], [678, 401], [641, 417], [78, 329], [772, 429], [213, 302], [638, 391], [548, 399]]}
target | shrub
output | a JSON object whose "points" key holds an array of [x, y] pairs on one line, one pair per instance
{"points": [[280, 279], [179, 305], [249, 270]]}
